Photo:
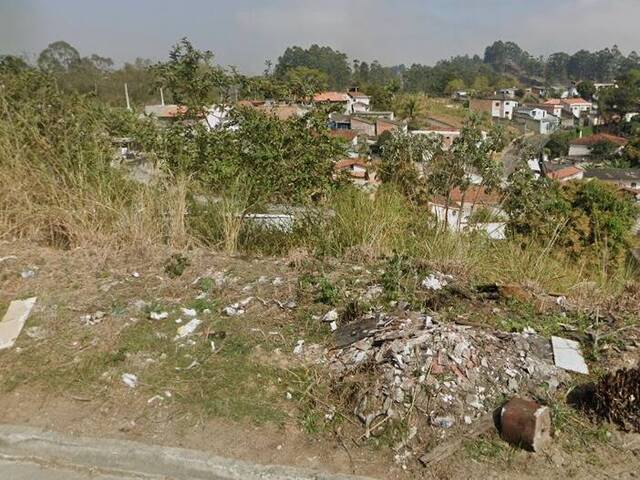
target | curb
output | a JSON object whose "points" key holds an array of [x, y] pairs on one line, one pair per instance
{"points": [[133, 458]]}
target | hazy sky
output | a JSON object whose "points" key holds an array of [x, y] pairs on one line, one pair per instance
{"points": [[247, 32]]}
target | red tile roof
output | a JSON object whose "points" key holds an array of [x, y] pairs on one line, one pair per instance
{"points": [[599, 138], [564, 173], [475, 195], [350, 162], [553, 101], [575, 101], [337, 97]]}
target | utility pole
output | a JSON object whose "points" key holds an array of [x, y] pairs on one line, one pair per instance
{"points": [[161, 96], [126, 95]]}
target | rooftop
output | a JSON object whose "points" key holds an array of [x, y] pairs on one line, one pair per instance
{"points": [[614, 174], [599, 138], [338, 97]]}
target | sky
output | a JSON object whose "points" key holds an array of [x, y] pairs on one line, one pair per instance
{"points": [[246, 33]]}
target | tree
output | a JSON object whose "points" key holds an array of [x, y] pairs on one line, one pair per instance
{"points": [[304, 82], [58, 57], [454, 85], [481, 85], [332, 62], [404, 157], [10, 64], [586, 89], [192, 78]]}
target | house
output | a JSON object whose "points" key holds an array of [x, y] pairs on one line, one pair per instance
{"points": [[339, 121], [581, 147], [621, 177], [507, 92], [357, 170], [538, 120], [283, 111], [360, 102], [448, 134], [600, 86], [539, 91], [165, 114], [458, 212], [576, 106], [366, 126], [553, 106], [335, 98], [562, 172], [386, 125], [351, 139], [497, 107]]}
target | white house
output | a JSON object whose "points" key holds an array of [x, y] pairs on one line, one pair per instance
{"points": [[503, 107], [359, 102], [576, 106], [581, 147]]}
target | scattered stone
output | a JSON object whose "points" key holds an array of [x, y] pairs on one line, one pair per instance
{"points": [[158, 315], [334, 326], [297, 350], [135, 275], [238, 308], [93, 319], [443, 422], [436, 281], [567, 355], [330, 316], [28, 274], [373, 292], [189, 312], [36, 333], [526, 424], [277, 281], [188, 329], [14, 320], [130, 380]]}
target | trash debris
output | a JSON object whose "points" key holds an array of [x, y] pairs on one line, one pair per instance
{"points": [[616, 398], [187, 329], [436, 281], [189, 312], [158, 315], [297, 350], [93, 318], [14, 320], [466, 370], [28, 274], [526, 424], [130, 380], [330, 316], [36, 333], [334, 326], [238, 308], [567, 355], [135, 275]]}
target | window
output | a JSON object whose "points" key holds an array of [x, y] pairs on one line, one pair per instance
{"points": [[497, 104]]}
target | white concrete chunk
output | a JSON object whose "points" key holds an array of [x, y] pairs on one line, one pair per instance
{"points": [[14, 320], [567, 355]]}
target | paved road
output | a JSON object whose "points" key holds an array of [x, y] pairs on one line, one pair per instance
{"points": [[25, 470], [32, 454]]}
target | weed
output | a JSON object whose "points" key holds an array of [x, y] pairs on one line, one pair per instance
{"points": [[176, 265]]}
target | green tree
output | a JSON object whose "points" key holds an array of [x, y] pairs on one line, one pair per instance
{"points": [[10, 64], [304, 82], [481, 85], [332, 62], [58, 57], [586, 89], [454, 85], [192, 78]]}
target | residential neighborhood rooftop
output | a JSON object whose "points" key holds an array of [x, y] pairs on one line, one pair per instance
{"points": [[599, 138], [614, 174]]}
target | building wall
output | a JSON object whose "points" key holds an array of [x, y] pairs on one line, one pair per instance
{"points": [[579, 150], [363, 127]]}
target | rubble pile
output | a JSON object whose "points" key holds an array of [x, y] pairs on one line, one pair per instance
{"points": [[449, 373]]}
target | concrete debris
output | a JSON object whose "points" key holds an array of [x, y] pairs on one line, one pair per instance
{"points": [[567, 355], [277, 281], [28, 274], [93, 318], [14, 320], [330, 316], [135, 275], [130, 380], [187, 329], [334, 326], [158, 315], [189, 312], [526, 424], [452, 373], [436, 281], [297, 350], [238, 308]]}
